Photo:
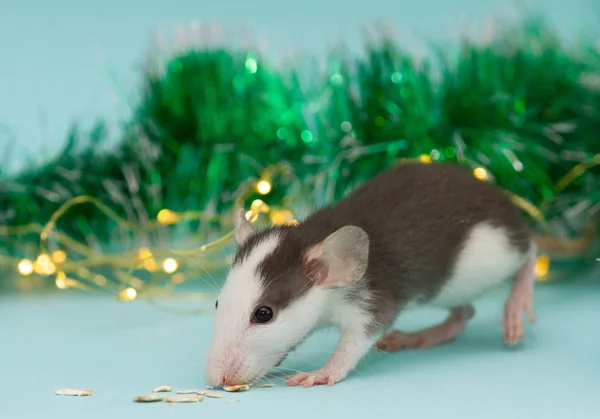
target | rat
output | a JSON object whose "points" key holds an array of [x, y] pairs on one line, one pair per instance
{"points": [[414, 235]]}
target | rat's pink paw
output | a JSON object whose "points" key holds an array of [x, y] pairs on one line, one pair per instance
{"points": [[513, 316], [322, 376]]}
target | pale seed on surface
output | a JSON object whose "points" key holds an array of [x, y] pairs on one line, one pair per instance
{"points": [[237, 388], [73, 392], [198, 392], [149, 398], [214, 394], [162, 389], [184, 399], [266, 385]]}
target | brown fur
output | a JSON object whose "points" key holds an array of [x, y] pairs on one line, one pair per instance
{"points": [[417, 217]]}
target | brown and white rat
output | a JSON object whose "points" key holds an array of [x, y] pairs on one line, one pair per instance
{"points": [[424, 234]]}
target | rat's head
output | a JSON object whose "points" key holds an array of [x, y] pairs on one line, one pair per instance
{"points": [[275, 294]]}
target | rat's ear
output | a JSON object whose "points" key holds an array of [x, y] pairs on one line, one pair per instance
{"points": [[243, 229], [341, 259]]}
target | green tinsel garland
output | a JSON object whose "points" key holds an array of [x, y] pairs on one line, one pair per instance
{"points": [[524, 107]]}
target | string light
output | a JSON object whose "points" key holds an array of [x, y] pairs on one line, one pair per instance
{"points": [[263, 187], [25, 267], [150, 265], [480, 173], [61, 280], [542, 266], [281, 217], [166, 217], [128, 294], [251, 216], [43, 265], [170, 265], [59, 256], [425, 158], [144, 253], [119, 277], [258, 205]]}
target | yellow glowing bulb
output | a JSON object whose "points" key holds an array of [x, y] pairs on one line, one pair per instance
{"points": [[425, 158], [263, 187], [178, 278], [280, 217], [166, 216], [150, 265], [251, 216], [542, 266], [128, 294], [170, 265], [480, 173], [43, 265], [100, 280], [258, 205], [61, 280], [144, 253], [59, 256], [25, 267]]}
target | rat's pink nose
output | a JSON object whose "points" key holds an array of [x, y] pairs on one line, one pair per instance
{"points": [[225, 369]]}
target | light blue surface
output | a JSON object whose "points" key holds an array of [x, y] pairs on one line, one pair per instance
{"points": [[65, 60], [120, 350]]}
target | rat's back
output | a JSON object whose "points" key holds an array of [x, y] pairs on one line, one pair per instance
{"points": [[437, 234]]}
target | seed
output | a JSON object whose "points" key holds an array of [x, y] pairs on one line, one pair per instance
{"points": [[266, 385], [184, 399], [73, 392], [214, 395], [148, 399], [210, 387], [162, 389], [198, 392], [237, 388]]}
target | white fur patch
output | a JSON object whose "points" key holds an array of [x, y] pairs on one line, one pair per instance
{"points": [[487, 259], [237, 301]]}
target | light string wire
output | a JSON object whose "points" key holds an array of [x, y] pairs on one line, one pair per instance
{"points": [[126, 286]]}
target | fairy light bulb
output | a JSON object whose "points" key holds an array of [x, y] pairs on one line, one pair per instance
{"points": [[251, 216], [481, 174], [150, 265], [61, 280], [25, 267], [425, 158], [170, 265], [542, 266], [263, 187], [144, 253], [59, 256], [281, 217], [128, 294], [43, 265], [258, 205], [166, 216]]}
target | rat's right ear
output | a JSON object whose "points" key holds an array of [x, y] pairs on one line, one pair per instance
{"points": [[341, 259], [243, 229]]}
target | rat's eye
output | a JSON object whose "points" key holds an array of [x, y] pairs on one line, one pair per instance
{"points": [[262, 315], [216, 304]]}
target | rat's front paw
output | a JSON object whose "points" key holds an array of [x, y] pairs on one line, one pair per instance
{"points": [[322, 376]]}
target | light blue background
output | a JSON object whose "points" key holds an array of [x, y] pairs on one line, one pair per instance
{"points": [[68, 60]]}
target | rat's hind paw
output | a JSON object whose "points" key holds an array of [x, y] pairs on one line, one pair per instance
{"points": [[516, 305], [322, 376]]}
